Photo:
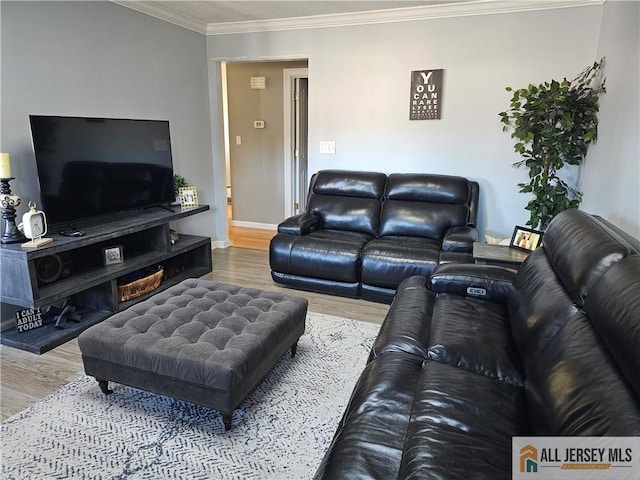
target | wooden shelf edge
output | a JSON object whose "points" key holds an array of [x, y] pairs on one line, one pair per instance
{"points": [[47, 337]]}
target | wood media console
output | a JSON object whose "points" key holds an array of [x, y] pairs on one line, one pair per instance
{"points": [[88, 286]]}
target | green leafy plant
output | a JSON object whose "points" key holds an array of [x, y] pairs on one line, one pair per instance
{"points": [[554, 123], [179, 181]]}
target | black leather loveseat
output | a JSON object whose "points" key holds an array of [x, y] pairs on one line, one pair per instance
{"points": [[365, 232], [451, 378]]}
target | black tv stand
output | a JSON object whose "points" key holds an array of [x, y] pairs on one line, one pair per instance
{"points": [[163, 206], [90, 286]]}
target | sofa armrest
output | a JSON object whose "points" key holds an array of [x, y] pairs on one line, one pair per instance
{"points": [[487, 282], [299, 224], [408, 322], [459, 239]]}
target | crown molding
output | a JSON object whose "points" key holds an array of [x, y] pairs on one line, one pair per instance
{"points": [[448, 10], [159, 11]]}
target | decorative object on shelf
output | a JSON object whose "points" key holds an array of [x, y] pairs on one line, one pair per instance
{"points": [[136, 288], [173, 236], [34, 226], [48, 269], [178, 182], [5, 165], [188, 197], [426, 95], [28, 319], [172, 267], [112, 255], [9, 202], [554, 123], [525, 238]]}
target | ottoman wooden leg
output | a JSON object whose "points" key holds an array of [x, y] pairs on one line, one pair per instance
{"points": [[226, 419], [104, 386], [294, 349]]}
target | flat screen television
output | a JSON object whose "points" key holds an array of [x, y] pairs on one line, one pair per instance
{"points": [[92, 167]]}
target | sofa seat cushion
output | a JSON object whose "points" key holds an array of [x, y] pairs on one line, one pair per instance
{"points": [[387, 261], [576, 388], [474, 335], [327, 254], [371, 435], [461, 426]]}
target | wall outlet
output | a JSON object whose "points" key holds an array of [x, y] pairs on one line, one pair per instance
{"points": [[238, 140], [328, 148]]}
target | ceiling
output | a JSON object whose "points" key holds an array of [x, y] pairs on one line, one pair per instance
{"points": [[210, 16]]}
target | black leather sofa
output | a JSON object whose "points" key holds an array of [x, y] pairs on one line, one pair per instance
{"points": [[365, 232], [550, 351]]}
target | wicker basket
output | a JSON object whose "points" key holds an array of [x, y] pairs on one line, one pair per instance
{"points": [[137, 288]]}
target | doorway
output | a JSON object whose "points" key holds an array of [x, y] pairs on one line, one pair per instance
{"points": [[265, 144], [296, 138]]}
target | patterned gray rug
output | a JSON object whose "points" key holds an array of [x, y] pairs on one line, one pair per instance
{"points": [[280, 431]]}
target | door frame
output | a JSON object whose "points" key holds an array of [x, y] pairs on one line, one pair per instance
{"points": [[289, 76]]}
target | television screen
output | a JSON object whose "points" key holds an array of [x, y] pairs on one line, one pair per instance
{"points": [[89, 167]]}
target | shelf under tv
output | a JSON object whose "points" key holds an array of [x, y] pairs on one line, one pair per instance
{"points": [[92, 287]]}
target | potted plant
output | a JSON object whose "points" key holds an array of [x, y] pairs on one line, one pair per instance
{"points": [[554, 123], [178, 182]]}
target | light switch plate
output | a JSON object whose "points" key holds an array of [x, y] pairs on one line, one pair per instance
{"points": [[328, 147]]}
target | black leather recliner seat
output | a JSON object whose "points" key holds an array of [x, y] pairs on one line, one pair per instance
{"points": [[365, 232]]}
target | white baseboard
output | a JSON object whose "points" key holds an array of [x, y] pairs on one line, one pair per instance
{"points": [[220, 244], [261, 226]]}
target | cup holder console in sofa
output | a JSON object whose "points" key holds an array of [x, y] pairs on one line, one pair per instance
{"points": [[365, 232]]}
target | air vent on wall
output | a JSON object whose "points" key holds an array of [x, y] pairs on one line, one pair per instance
{"points": [[258, 83]]}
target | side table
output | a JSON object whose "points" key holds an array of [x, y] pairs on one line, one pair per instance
{"points": [[501, 255]]}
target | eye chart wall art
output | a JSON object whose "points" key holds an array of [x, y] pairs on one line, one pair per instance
{"points": [[426, 95]]}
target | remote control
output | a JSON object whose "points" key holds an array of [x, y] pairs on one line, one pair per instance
{"points": [[70, 232]]}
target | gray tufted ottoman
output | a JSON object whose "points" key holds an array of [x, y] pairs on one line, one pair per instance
{"points": [[200, 341]]}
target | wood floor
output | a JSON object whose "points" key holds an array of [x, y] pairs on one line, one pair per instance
{"points": [[26, 378]]}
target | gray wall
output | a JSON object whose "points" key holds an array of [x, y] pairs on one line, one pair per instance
{"points": [[611, 175], [98, 58], [101, 59], [360, 96], [257, 173]]}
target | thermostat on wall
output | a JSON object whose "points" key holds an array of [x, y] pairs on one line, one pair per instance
{"points": [[258, 124]]}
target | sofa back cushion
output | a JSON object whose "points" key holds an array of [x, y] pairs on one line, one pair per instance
{"points": [[423, 205], [347, 200], [613, 305], [574, 317], [581, 248], [576, 388], [539, 306]]}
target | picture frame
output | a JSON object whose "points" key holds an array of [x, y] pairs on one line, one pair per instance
{"points": [[525, 239], [188, 196], [112, 255]]}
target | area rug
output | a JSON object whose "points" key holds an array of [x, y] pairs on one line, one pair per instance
{"points": [[281, 431]]}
